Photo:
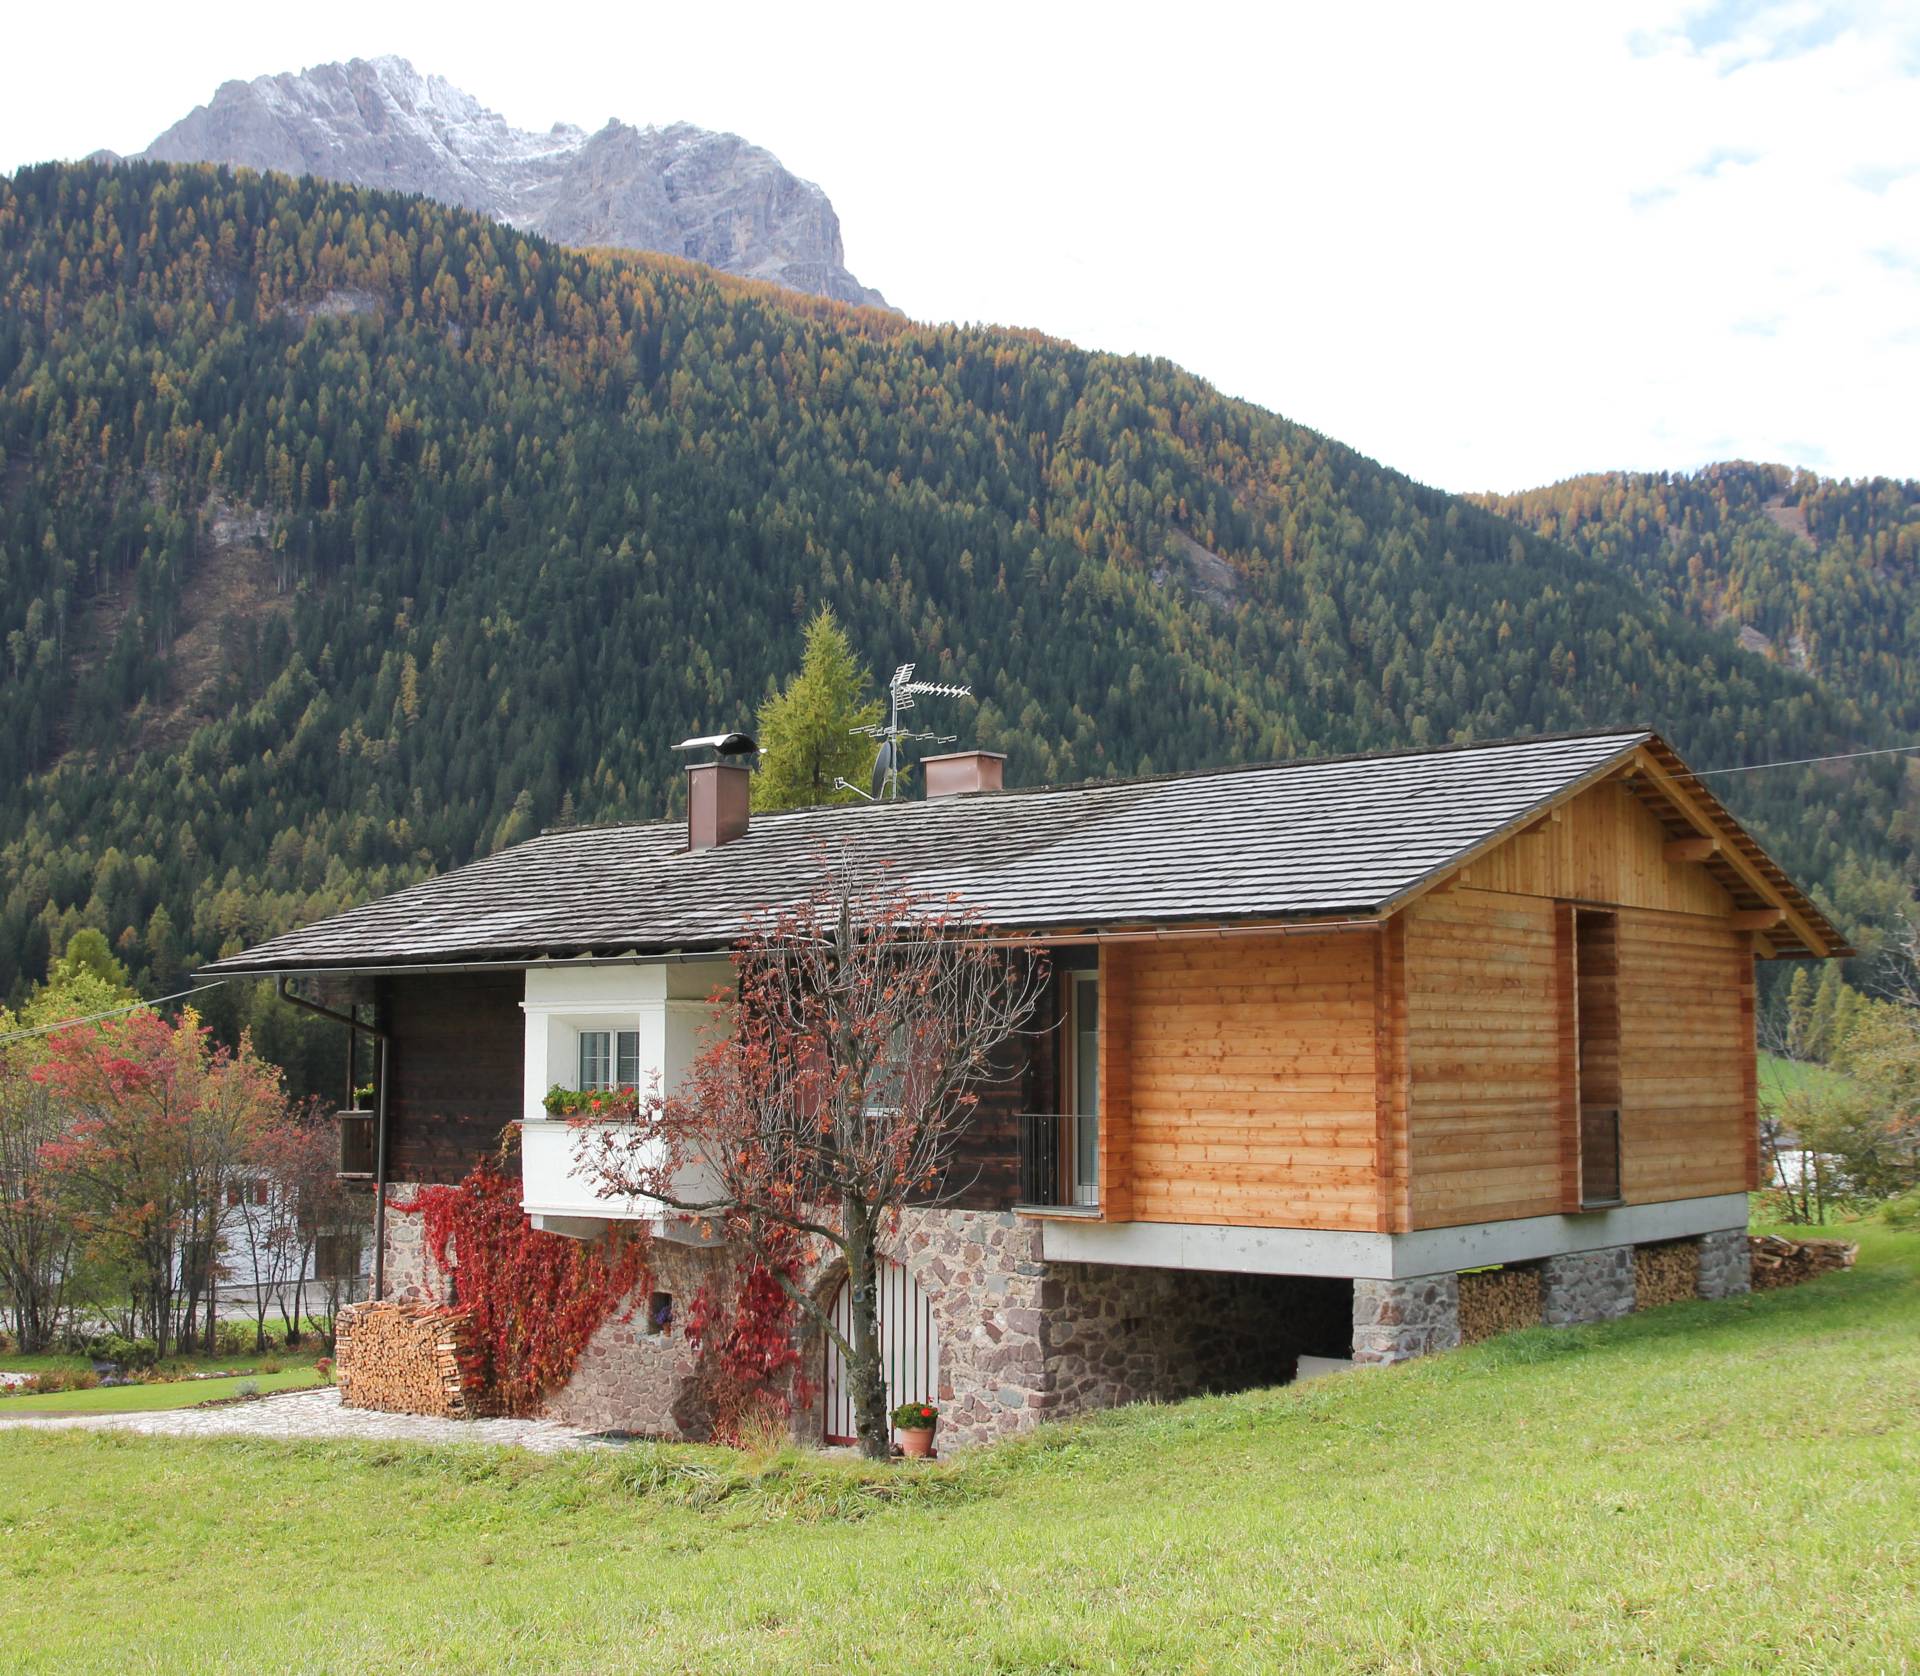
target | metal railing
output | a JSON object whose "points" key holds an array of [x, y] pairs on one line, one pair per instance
{"points": [[1048, 1180], [1599, 1155], [1042, 1137]]}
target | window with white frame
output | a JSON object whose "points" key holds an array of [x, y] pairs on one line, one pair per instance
{"points": [[609, 1059]]}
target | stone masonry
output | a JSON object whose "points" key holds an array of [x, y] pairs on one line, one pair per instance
{"points": [[1725, 1266], [1394, 1320], [1587, 1286], [637, 1374], [1022, 1339], [411, 1276]]}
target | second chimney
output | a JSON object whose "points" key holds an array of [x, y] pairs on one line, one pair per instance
{"points": [[964, 771], [718, 797]]}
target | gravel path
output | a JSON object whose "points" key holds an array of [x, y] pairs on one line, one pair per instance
{"points": [[297, 1415]]}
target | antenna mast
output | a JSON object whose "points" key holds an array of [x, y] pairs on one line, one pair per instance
{"points": [[891, 734]]}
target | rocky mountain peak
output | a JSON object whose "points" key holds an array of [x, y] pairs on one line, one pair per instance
{"points": [[681, 189]]}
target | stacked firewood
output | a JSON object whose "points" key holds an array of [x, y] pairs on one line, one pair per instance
{"points": [[1666, 1273], [1498, 1301], [407, 1358], [1783, 1262]]}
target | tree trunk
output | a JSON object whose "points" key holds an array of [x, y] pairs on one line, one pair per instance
{"points": [[869, 1388]]}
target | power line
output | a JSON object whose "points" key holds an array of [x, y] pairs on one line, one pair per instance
{"points": [[111, 1012], [1802, 762]]}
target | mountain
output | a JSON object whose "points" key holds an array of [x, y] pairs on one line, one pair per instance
{"points": [[1812, 574], [345, 536], [680, 190]]}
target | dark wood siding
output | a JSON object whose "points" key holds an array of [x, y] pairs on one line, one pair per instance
{"points": [[457, 1057]]}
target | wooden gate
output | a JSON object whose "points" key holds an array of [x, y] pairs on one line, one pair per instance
{"points": [[909, 1350]]}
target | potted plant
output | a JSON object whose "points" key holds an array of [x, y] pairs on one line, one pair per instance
{"points": [[914, 1421]]}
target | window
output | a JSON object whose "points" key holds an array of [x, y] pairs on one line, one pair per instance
{"points": [[1083, 1079], [660, 1313], [609, 1058]]}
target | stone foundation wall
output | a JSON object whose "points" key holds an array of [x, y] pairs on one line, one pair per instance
{"points": [[982, 1274], [1394, 1320], [638, 1376], [1587, 1286], [1022, 1339], [1120, 1335], [1725, 1264]]}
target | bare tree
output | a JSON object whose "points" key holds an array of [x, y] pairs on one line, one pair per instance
{"points": [[865, 1024]]}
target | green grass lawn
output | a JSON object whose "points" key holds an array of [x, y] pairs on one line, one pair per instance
{"points": [[175, 1393], [1780, 1077], [1724, 1486]]}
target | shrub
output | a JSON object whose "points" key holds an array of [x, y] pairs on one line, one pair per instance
{"points": [[1903, 1212], [82, 1381], [248, 1388], [233, 1338], [133, 1354], [6, 1342], [269, 1366], [53, 1379], [324, 1367], [915, 1416]]}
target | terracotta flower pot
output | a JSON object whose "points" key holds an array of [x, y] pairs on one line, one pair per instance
{"points": [[916, 1445]]}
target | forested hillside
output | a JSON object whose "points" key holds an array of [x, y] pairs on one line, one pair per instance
{"points": [[345, 536], [1816, 575]]}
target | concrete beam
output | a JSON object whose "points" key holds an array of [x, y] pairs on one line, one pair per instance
{"points": [[1355, 1256]]}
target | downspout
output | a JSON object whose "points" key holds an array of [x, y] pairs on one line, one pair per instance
{"points": [[379, 1124]]}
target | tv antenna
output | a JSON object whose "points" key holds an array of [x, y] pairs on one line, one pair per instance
{"points": [[902, 691]]}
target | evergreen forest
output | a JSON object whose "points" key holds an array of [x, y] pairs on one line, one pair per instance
{"points": [[345, 537]]}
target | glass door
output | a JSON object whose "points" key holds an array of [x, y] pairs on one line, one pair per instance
{"points": [[1085, 1079]]}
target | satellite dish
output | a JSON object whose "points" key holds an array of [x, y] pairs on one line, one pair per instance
{"points": [[885, 761]]}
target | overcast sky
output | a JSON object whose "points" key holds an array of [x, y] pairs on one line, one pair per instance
{"points": [[1492, 246]]}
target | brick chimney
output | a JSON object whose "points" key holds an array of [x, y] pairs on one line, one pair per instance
{"points": [[963, 771], [718, 796]]}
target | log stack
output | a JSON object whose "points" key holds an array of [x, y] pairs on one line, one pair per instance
{"points": [[1784, 1262], [1665, 1273], [1498, 1301], [407, 1358]]}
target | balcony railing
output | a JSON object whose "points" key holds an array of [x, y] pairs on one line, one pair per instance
{"points": [[1047, 1180], [1041, 1136], [356, 1145], [1599, 1156]]}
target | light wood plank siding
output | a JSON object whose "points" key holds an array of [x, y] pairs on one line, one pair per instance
{"points": [[1390, 1075], [1686, 1050], [1484, 1053], [1252, 1082], [1605, 849]]}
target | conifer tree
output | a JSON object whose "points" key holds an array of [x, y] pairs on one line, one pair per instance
{"points": [[1820, 1017], [806, 729], [1799, 1012]]}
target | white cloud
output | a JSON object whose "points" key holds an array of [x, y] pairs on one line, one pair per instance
{"points": [[1492, 245]]}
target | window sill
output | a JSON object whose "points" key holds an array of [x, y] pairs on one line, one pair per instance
{"points": [[1081, 1213]]}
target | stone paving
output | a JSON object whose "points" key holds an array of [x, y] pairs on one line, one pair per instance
{"points": [[299, 1415]]}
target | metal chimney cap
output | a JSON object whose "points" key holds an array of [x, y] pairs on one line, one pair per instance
{"points": [[722, 744]]}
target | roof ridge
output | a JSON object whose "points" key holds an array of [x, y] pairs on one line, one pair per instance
{"points": [[1169, 777]]}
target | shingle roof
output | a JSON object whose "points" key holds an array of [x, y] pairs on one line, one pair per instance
{"points": [[1313, 838]]}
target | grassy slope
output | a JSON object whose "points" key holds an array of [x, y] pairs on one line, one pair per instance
{"points": [[1780, 1077], [1724, 1486], [178, 1393]]}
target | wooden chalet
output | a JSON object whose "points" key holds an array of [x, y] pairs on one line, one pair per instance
{"points": [[1329, 1033]]}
